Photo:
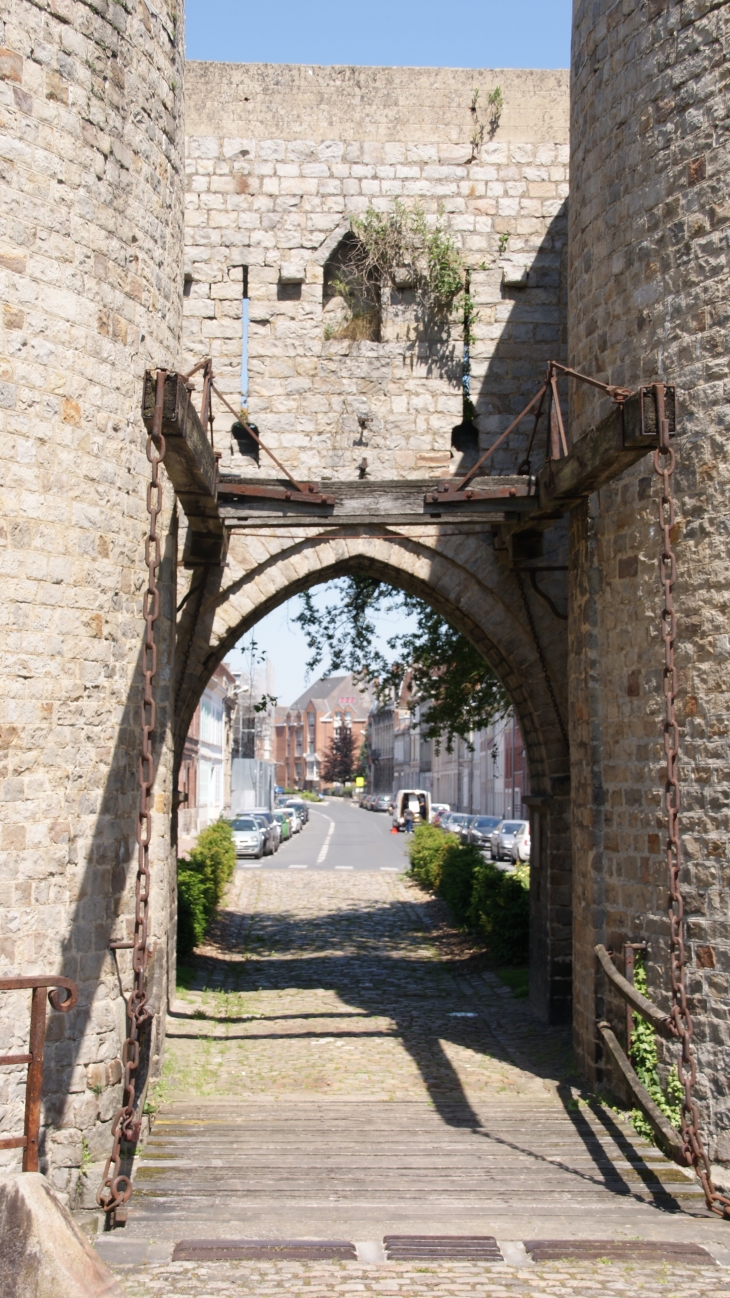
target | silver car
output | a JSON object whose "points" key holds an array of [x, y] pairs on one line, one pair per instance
{"points": [[503, 838], [248, 837]]}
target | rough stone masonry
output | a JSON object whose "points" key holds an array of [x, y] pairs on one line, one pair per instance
{"points": [[93, 280]]}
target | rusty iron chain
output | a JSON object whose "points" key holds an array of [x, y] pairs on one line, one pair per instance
{"points": [[695, 1153], [116, 1186]]}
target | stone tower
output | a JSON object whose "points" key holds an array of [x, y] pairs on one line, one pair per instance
{"points": [[649, 269], [91, 279]]}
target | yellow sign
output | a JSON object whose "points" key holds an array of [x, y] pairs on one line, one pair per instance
{"points": [[359, 781]]}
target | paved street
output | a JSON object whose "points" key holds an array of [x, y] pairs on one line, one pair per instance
{"points": [[340, 836], [342, 1066]]}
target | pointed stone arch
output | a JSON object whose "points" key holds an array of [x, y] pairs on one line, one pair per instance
{"points": [[471, 584]]}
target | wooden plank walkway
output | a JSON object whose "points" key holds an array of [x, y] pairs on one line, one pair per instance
{"points": [[360, 1170]]}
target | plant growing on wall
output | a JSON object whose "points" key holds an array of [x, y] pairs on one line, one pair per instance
{"points": [[495, 103], [644, 1057], [400, 248]]}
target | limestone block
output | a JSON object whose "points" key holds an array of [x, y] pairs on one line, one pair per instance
{"points": [[42, 1252]]}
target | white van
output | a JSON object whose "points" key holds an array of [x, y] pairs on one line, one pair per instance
{"points": [[419, 801]]}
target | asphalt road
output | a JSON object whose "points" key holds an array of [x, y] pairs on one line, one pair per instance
{"points": [[339, 836]]}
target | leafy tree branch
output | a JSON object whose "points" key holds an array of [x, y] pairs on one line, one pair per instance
{"points": [[441, 667]]}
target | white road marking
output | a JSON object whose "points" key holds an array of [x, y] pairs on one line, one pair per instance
{"points": [[344, 867], [390, 869], [298, 867], [249, 865], [326, 844]]}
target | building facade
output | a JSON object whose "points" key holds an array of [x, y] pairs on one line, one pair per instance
{"points": [[205, 772], [305, 730], [487, 777]]}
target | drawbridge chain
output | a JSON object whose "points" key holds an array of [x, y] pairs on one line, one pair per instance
{"points": [[116, 1186]]}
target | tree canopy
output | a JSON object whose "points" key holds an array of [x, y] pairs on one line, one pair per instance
{"points": [[446, 671], [340, 759]]}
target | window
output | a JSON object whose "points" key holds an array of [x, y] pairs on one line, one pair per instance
{"points": [[300, 742], [211, 721], [310, 720]]}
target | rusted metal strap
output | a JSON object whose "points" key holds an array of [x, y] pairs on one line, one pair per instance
{"points": [[661, 1022], [670, 1140], [557, 441], [451, 491], [307, 489], [307, 492], [39, 985]]}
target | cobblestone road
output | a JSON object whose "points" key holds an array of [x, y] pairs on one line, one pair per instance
{"points": [[341, 1065]]}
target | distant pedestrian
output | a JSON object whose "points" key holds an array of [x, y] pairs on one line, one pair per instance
{"points": [[408, 819]]}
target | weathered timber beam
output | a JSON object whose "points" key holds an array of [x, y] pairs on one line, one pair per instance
{"points": [[603, 452], [661, 1023], [667, 1138], [191, 467], [371, 502]]}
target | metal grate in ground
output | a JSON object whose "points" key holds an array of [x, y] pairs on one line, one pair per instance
{"points": [[454, 1248], [272, 1250], [629, 1250]]}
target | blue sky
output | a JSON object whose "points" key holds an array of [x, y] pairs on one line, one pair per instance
{"points": [[281, 641], [415, 33]]}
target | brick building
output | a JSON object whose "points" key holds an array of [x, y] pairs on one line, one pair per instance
{"points": [[304, 730]]}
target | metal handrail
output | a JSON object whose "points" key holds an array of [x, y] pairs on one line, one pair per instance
{"points": [[28, 1142], [661, 1022], [667, 1137]]}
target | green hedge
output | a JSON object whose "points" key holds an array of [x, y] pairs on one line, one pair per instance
{"points": [[479, 895], [500, 909], [458, 872], [426, 849], [201, 882]]}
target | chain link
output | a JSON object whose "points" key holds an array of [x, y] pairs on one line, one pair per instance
{"points": [[116, 1187], [695, 1154]]}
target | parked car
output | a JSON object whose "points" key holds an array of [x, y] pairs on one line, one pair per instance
{"points": [[283, 823], [503, 837], [452, 821], [481, 830], [383, 803], [520, 850], [295, 823], [268, 816], [437, 811], [248, 837], [464, 827], [300, 807], [270, 831]]}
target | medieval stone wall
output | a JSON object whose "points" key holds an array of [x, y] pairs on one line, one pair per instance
{"points": [[279, 159], [649, 270], [91, 286]]}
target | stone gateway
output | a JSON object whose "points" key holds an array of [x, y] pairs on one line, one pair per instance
{"points": [[155, 216]]}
